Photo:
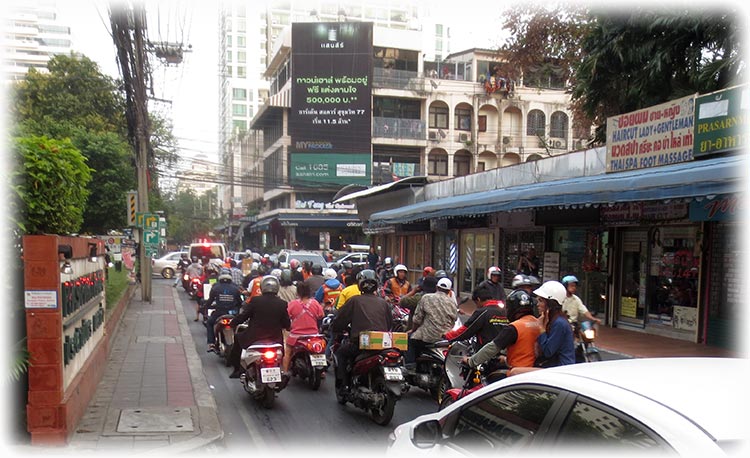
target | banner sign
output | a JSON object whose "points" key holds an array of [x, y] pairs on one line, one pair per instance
{"points": [[651, 137], [721, 121], [722, 208], [331, 87], [339, 169]]}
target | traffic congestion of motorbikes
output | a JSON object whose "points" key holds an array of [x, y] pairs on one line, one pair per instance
{"points": [[273, 321]]}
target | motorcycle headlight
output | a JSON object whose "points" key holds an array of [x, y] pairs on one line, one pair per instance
{"points": [[589, 334]]}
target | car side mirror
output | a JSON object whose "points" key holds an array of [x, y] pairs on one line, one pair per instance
{"points": [[426, 434]]}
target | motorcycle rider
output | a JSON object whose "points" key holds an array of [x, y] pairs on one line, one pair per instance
{"points": [[486, 322], [345, 271], [519, 338], [494, 282], [386, 271], [329, 292], [267, 317], [523, 287], [435, 314], [195, 269], [573, 305], [443, 274], [556, 339], [366, 312], [351, 288], [227, 296], [397, 286], [287, 292], [182, 266], [315, 280], [237, 275], [305, 314]]}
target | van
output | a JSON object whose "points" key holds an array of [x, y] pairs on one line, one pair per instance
{"points": [[355, 248], [210, 250]]}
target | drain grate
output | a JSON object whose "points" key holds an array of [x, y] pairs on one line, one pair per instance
{"points": [[155, 420]]}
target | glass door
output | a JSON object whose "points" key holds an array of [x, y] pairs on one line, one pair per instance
{"points": [[631, 305]]}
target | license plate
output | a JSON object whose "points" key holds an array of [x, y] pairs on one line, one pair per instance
{"points": [[270, 374], [318, 360], [393, 373]]}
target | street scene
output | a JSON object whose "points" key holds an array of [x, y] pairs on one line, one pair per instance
{"points": [[377, 227]]}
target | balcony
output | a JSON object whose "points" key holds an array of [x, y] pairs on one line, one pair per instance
{"points": [[398, 128], [388, 78]]}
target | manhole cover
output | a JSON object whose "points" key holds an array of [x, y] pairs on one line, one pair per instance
{"points": [[155, 420]]}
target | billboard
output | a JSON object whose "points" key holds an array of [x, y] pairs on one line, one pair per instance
{"points": [[651, 137], [334, 168], [721, 121], [331, 90]]}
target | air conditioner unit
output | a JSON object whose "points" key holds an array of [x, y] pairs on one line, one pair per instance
{"points": [[507, 140], [557, 144], [432, 135], [463, 137]]}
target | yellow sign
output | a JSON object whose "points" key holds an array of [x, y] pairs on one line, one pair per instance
{"points": [[628, 306], [132, 204]]}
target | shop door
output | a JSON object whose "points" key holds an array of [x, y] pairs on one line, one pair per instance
{"points": [[631, 297]]}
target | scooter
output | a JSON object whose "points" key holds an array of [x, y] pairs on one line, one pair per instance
{"points": [[308, 360], [261, 371], [223, 334], [586, 350], [429, 372], [377, 382]]}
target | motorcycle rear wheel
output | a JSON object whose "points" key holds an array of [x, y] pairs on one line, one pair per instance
{"points": [[383, 415], [268, 397], [314, 379]]}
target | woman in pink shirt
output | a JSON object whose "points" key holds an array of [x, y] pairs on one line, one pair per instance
{"points": [[305, 314]]}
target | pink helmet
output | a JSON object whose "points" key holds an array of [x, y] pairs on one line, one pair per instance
{"points": [[293, 264]]}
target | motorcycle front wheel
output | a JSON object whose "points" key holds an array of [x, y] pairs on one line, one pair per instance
{"points": [[593, 357], [382, 416], [442, 389], [445, 402]]}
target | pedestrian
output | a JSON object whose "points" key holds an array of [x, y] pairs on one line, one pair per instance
{"points": [[373, 258]]}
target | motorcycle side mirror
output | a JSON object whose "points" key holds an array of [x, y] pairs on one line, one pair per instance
{"points": [[426, 434]]}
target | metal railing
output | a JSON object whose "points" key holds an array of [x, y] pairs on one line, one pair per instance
{"points": [[398, 128]]}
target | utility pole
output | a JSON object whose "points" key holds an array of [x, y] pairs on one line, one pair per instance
{"points": [[128, 28]]}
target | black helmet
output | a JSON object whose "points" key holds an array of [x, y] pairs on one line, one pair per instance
{"points": [[317, 269], [225, 276], [441, 274], [269, 284], [347, 265], [367, 281], [286, 277], [518, 304]]}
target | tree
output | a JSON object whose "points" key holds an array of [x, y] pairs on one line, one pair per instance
{"points": [[644, 57], [50, 182]]}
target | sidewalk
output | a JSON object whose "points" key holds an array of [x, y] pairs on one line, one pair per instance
{"points": [[641, 345], [154, 397]]}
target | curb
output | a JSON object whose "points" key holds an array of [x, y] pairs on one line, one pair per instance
{"points": [[208, 417]]}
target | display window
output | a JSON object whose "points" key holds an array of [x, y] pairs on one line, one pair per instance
{"points": [[477, 255]]}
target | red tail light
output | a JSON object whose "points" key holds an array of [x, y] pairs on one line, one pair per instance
{"points": [[392, 355], [226, 321], [316, 346], [445, 353], [269, 355]]}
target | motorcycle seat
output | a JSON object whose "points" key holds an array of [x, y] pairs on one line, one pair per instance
{"points": [[438, 344], [263, 346], [308, 336], [366, 354]]}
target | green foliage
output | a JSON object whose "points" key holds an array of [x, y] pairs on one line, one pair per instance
{"points": [[20, 361], [117, 283], [51, 183]]}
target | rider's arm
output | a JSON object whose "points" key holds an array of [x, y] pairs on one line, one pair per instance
{"points": [[343, 318], [550, 343], [507, 337], [470, 329], [211, 298], [418, 317]]}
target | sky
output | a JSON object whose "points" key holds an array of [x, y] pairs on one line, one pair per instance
{"points": [[193, 86]]}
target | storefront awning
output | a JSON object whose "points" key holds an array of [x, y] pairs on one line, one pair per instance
{"points": [[680, 181], [322, 221]]}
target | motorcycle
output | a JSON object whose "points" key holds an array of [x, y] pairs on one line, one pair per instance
{"points": [[186, 282], [308, 360], [586, 350], [223, 334], [377, 382], [460, 380], [196, 288], [325, 329], [261, 371], [428, 373]]}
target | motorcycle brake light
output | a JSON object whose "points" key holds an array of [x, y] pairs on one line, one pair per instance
{"points": [[269, 355], [226, 321], [316, 346], [392, 354]]}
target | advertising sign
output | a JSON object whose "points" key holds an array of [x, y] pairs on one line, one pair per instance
{"points": [[721, 121], [722, 208], [651, 137], [330, 168], [331, 109]]}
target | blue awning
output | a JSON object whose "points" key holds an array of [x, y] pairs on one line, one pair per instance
{"points": [[680, 181]]}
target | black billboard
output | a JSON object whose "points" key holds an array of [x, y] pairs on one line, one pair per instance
{"points": [[331, 87]]}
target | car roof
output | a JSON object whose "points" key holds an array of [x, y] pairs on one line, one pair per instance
{"points": [[710, 392]]}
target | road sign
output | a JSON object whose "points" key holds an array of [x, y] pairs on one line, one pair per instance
{"points": [[131, 202], [151, 237], [151, 221]]}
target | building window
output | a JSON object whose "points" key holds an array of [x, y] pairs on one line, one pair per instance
{"points": [[239, 109], [438, 117], [438, 164], [439, 30], [239, 125], [463, 119], [476, 256], [229, 56], [241, 27], [558, 125], [241, 57], [241, 72], [229, 71], [239, 94], [229, 41], [535, 123], [482, 123], [241, 42]]}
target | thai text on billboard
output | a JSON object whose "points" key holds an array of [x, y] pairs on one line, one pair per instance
{"points": [[651, 137], [722, 120]]}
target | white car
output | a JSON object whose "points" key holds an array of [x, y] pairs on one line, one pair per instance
{"points": [[683, 406]]}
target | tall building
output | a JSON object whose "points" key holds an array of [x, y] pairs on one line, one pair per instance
{"points": [[249, 40], [33, 35]]}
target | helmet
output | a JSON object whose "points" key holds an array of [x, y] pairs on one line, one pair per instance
{"points": [[347, 264], [552, 290], [195, 259], [184, 255], [330, 274], [367, 282], [276, 273], [225, 276], [398, 268], [286, 277], [569, 279], [441, 274], [518, 280], [427, 271], [316, 269], [494, 270], [293, 264], [254, 266], [387, 261], [269, 284], [518, 304], [533, 281]]}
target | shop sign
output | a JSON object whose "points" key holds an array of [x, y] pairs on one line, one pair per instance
{"points": [[651, 137], [685, 318], [633, 212], [721, 208], [342, 169], [551, 266], [721, 121], [629, 307], [315, 205]]}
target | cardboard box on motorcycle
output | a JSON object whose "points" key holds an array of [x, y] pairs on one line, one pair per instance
{"points": [[378, 340]]}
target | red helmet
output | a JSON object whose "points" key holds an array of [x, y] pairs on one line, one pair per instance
{"points": [[293, 264], [428, 271]]}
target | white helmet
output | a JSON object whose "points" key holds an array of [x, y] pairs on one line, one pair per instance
{"points": [[518, 280], [329, 274], [494, 270], [400, 267], [276, 273], [552, 290]]}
